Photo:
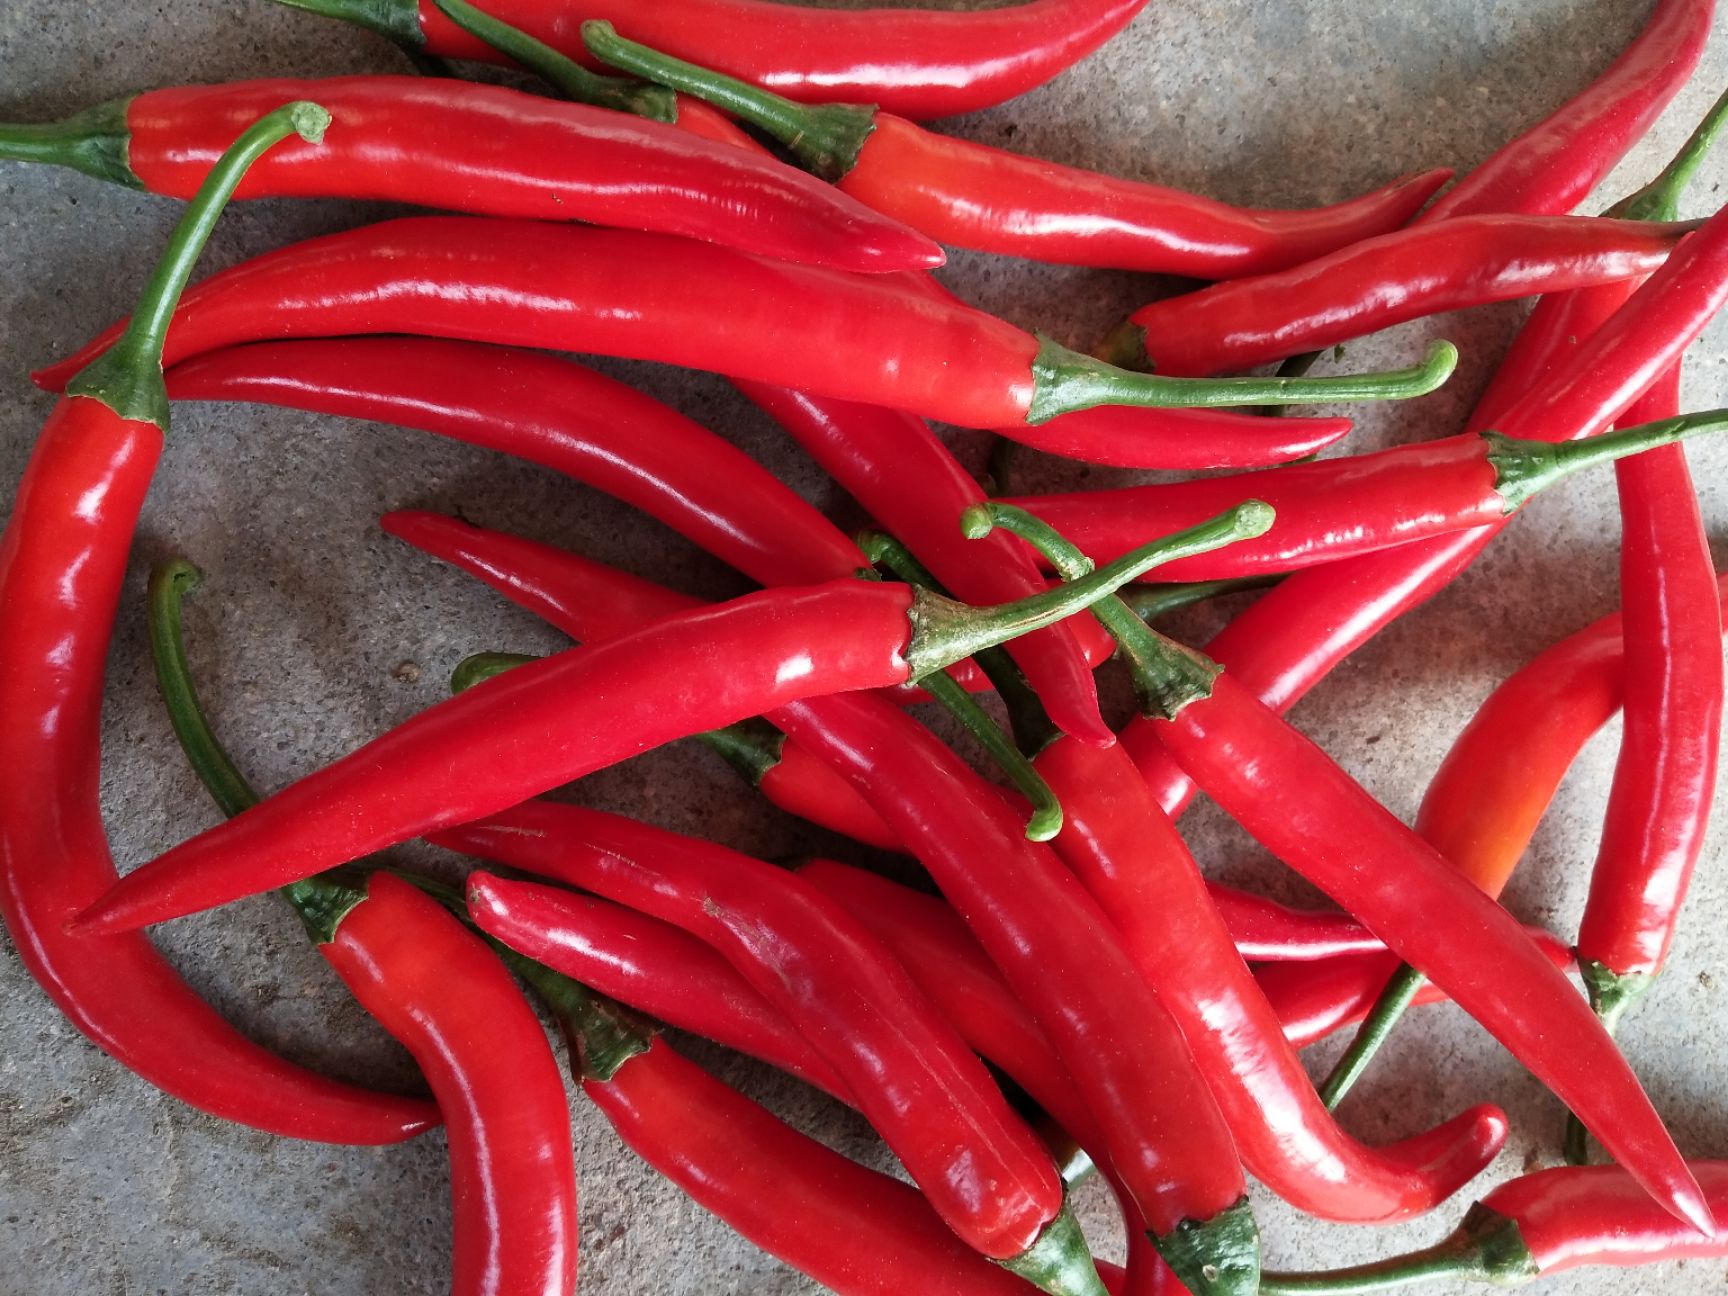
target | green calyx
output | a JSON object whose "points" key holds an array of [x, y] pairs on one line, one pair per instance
{"points": [[1611, 994], [1399, 993], [1058, 1262], [602, 1035], [477, 668], [1522, 468], [321, 902], [1153, 602], [1215, 1257], [571, 79], [1167, 676], [825, 138], [751, 747], [1065, 381], [394, 20], [1660, 199], [97, 142], [1488, 1248], [128, 376]]}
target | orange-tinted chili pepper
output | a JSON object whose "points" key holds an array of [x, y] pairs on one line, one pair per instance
{"points": [[971, 195], [864, 338], [488, 150], [62, 561], [919, 62]]}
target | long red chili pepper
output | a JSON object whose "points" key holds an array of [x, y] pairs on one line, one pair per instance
{"points": [[1305, 809], [488, 150], [62, 561], [971, 195], [906, 1067], [654, 297], [1372, 285], [1564, 379], [1554, 164], [1537, 1226], [1340, 508], [917, 62], [440, 992], [856, 1231], [554, 720]]}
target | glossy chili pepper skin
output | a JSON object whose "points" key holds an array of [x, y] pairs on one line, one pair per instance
{"points": [[443, 994], [869, 338], [1388, 280], [908, 1069], [1164, 1136], [1565, 378], [1265, 931], [490, 151], [1179, 439], [62, 562], [1552, 166], [917, 62], [1130, 857], [1311, 814], [1665, 781]]}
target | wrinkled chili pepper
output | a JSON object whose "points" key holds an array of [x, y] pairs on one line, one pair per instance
{"points": [[1306, 810], [917, 62], [62, 561], [442, 994], [1372, 285], [488, 150], [856, 1231], [907, 1068], [554, 720], [1537, 1226], [1554, 164], [654, 297], [1340, 508], [1564, 378], [970, 195]]}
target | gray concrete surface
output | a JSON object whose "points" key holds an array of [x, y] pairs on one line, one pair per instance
{"points": [[315, 632]]}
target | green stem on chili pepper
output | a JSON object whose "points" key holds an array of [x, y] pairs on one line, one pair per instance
{"points": [[572, 80], [1400, 992], [1152, 602], [1611, 994], [395, 22], [1524, 467], [93, 142], [1487, 1250]]}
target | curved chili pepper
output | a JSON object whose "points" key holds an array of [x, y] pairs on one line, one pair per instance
{"points": [[857, 1231], [554, 720], [62, 561], [488, 150], [907, 1068], [1372, 285], [970, 195], [1554, 164], [918, 62], [1537, 1226], [654, 297], [1339, 508], [439, 992], [1306, 810], [438, 989], [1265, 931], [1564, 379]]}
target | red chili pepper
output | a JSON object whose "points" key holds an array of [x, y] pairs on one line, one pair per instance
{"points": [[654, 297], [971, 195], [855, 1230], [1307, 811], [1265, 931], [554, 720], [1560, 382], [443, 994], [1554, 164], [62, 561], [1537, 1226], [1372, 285], [492, 151], [918, 62], [1130, 857], [1340, 508], [907, 1068]]}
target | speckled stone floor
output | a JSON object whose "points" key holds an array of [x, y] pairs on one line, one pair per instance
{"points": [[315, 631]]}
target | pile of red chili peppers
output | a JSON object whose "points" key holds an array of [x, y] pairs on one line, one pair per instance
{"points": [[1016, 972]]}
